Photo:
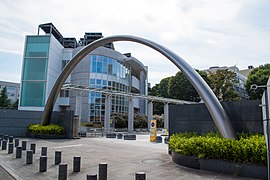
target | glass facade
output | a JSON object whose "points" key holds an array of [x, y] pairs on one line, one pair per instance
{"points": [[107, 73], [35, 71]]}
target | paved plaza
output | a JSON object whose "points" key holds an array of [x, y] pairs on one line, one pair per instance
{"points": [[124, 158]]}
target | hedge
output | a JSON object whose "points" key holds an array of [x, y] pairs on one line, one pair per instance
{"points": [[247, 148], [49, 129]]}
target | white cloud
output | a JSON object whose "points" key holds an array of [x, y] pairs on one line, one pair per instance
{"points": [[204, 32]]}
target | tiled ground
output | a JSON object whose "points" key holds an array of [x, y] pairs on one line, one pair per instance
{"points": [[124, 158]]}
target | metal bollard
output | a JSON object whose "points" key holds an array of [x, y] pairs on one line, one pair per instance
{"points": [[102, 171], [62, 174], [17, 142], [4, 144], [24, 145], [43, 164], [10, 139], [33, 147], [43, 151], [140, 176], [10, 148], [29, 157], [1, 141], [91, 177], [18, 152], [76, 164], [6, 137], [57, 158]]}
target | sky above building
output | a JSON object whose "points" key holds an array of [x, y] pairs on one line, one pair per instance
{"points": [[203, 32]]}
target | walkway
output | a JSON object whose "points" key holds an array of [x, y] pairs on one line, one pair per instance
{"points": [[124, 158]]}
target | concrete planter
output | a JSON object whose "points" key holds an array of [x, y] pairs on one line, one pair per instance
{"points": [[46, 136], [221, 166]]}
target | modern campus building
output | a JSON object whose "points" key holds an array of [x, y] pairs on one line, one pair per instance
{"points": [[45, 55], [241, 78], [13, 90]]}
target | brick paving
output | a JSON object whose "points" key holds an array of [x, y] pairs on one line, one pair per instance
{"points": [[124, 158]]}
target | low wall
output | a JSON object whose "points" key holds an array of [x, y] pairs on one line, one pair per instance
{"points": [[245, 116], [15, 122]]}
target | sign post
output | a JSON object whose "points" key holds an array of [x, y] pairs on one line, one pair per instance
{"points": [[153, 130]]}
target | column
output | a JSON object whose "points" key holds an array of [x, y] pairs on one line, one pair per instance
{"points": [[78, 110], [130, 115], [107, 113], [78, 107], [150, 112], [166, 116]]}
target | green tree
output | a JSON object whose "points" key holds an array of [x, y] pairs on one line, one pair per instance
{"points": [[4, 101], [160, 90], [223, 82], [258, 76], [181, 88]]}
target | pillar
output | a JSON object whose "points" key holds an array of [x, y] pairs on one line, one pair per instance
{"points": [[107, 113], [140, 176], [130, 115], [166, 116], [78, 108], [102, 169], [150, 112]]}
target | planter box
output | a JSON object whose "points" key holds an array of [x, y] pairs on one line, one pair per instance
{"points": [[46, 136], [221, 166], [188, 161]]}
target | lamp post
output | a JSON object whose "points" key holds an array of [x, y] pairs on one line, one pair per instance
{"points": [[265, 122]]}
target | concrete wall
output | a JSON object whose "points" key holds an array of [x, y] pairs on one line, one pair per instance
{"points": [[246, 116], [14, 122]]}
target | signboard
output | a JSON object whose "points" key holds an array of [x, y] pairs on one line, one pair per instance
{"points": [[165, 132], [153, 130]]}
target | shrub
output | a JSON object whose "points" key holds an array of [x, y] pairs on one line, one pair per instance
{"points": [[49, 129], [247, 148]]}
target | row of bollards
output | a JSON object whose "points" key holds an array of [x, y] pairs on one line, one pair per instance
{"points": [[8, 142]]}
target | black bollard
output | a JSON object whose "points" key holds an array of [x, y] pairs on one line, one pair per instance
{"points": [[4, 144], [29, 157], [17, 142], [57, 158], [1, 141], [6, 137], [91, 177], [33, 147], [102, 171], [76, 164], [10, 148], [140, 176], [43, 151], [43, 164], [24, 143], [62, 173], [18, 152], [10, 139]]}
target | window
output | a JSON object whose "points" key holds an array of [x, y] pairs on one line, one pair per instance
{"points": [[92, 81]]}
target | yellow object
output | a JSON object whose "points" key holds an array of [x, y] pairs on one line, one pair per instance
{"points": [[153, 130]]}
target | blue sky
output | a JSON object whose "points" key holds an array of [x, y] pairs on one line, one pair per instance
{"points": [[203, 32]]}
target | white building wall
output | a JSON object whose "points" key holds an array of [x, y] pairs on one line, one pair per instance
{"points": [[54, 67]]}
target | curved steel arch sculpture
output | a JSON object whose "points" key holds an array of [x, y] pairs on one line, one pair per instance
{"points": [[217, 112]]}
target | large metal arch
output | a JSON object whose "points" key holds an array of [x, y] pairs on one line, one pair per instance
{"points": [[216, 110]]}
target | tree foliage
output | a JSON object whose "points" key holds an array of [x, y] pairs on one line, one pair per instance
{"points": [[258, 76], [181, 88], [160, 90], [223, 82], [4, 101]]}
